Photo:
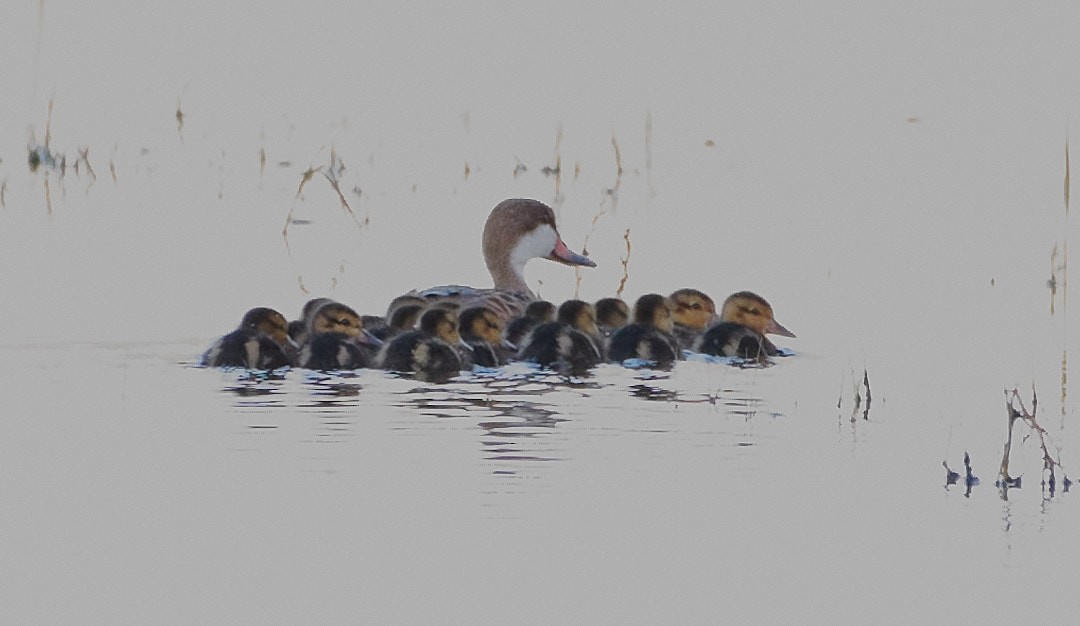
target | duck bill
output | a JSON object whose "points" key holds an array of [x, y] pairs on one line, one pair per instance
{"points": [[365, 337], [775, 328], [562, 254]]}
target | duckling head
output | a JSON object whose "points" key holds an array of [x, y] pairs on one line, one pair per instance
{"points": [[654, 310], [541, 311], [612, 312], [693, 309], [749, 309], [404, 316], [481, 323], [441, 323], [268, 322], [581, 315], [518, 230]]}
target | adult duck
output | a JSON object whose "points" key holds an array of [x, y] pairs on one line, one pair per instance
{"points": [[517, 230]]}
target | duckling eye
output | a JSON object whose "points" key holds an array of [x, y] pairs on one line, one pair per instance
{"points": [[696, 306], [344, 322]]}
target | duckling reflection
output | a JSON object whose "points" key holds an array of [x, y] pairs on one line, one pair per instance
{"points": [[693, 312], [428, 352], [567, 345], [260, 342], [649, 337], [745, 319], [336, 340]]}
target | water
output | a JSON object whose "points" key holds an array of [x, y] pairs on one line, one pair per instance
{"points": [[897, 196]]}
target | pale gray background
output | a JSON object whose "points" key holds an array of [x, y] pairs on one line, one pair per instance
{"points": [[890, 176]]}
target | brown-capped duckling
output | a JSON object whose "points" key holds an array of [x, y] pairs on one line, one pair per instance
{"points": [[649, 337], [611, 315], [745, 319], [568, 344], [337, 340], [538, 312], [693, 311], [482, 330], [428, 352], [298, 329], [260, 342]]}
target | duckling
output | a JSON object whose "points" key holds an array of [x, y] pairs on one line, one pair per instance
{"points": [[649, 337], [482, 330], [568, 344], [538, 312], [745, 319], [611, 315], [429, 351], [260, 342], [336, 340], [693, 312], [298, 328], [517, 230]]}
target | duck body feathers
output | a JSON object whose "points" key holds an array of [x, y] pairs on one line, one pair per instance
{"points": [[429, 358], [735, 340], [562, 347], [640, 341], [246, 347]]}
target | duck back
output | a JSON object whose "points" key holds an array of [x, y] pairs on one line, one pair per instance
{"points": [[638, 341]]}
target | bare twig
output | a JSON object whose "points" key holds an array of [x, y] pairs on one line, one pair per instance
{"points": [[625, 265]]}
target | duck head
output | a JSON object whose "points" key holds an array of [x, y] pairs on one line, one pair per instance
{"points": [[335, 317], [749, 309], [518, 230], [693, 309], [654, 310], [268, 322], [442, 323], [612, 312], [581, 315]]}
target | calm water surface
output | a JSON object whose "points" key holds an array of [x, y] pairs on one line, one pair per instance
{"points": [[892, 179]]}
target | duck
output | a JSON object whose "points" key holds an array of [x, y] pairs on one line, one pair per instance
{"points": [[261, 342], [649, 337], [568, 344], [428, 352], [536, 313], [517, 230], [745, 319], [298, 328], [337, 340], [481, 330], [693, 311]]}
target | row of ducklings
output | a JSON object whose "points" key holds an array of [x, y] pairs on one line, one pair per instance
{"points": [[436, 340]]}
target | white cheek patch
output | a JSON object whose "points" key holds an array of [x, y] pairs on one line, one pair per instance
{"points": [[538, 242]]}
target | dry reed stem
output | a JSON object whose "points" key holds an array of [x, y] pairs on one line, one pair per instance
{"points": [[84, 158], [179, 121], [262, 161], [1014, 405], [625, 265], [3, 193]]}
